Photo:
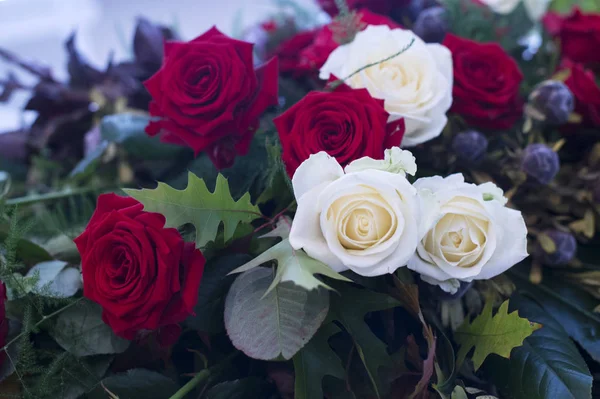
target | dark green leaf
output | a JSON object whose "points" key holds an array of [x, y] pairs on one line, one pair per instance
{"points": [[27, 251], [350, 308], [314, 362], [573, 308], [213, 289], [275, 325], [84, 375], [135, 384], [89, 164], [247, 388], [81, 331], [548, 365]]}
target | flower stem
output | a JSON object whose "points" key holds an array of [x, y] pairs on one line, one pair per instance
{"points": [[202, 376]]}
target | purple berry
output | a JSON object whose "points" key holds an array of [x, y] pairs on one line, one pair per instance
{"points": [[470, 146], [540, 162], [551, 102], [431, 25], [566, 248]]}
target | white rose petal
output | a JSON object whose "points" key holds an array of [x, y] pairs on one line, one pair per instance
{"points": [[502, 6], [366, 221], [469, 233], [415, 85], [395, 160]]}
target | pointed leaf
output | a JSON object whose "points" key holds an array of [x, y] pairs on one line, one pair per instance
{"points": [[136, 383], [198, 206], [293, 265], [350, 308], [548, 365], [275, 325], [314, 362], [497, 334], [571, 306], [246, 388]]}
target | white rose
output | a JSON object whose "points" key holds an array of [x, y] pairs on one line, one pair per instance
{"points": [[395, 160], [535, 8], [365, 221], [416, 85], [470, 234]]}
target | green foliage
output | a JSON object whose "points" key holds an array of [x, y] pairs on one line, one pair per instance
{"points": [[208, 312], [350, 308], [315, 361], [275, 325], [573, 308], [547, 365], [81, 331], [293, 265], [136, 383], [489, 334], [198, 206], [565, 6], [246, 388]]}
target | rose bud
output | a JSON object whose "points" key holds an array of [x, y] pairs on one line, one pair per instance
{"points": [[470, 146], [431, 25], [565, 248], [540, 162], [551, 102]]}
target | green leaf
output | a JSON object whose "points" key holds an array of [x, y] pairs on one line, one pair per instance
{"points": [[315, 361], [548, 365], [350, 308], [208, 312], [128, 131], [83, 375], [27, 251], [293, 265], [198, 206], [572, 307], [89, 163], [275, 325], [497, 334], [246, 388], [81, 331], [135, 384]]}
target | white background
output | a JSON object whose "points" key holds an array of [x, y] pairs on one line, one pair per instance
{"points": [[37, 29]]}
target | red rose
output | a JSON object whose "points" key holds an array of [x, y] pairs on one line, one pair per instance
{"points": [[208, 91], [579, 35], [486, 83], [347, 124], [143, 275], [3, 321], [582, 84], [305, 53]]}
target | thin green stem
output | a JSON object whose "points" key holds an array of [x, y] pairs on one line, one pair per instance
{"points": [[44, 318], [338, 82], [34, 198], [202, 376]]}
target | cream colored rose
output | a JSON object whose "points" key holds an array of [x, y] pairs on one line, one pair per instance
{"points": [[416, 85], [365, 221], [471, 235]]}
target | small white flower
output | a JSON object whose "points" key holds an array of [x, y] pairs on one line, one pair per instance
{"points": [[415, 85], [365, 221], [470, 234], [535, 8], [395, 161]]}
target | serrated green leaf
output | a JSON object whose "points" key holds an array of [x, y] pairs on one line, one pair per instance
{"points": [[350, 308], [198, 206], [293, 265], [275, 325], [315, 361], [489, 334], [547, 365]]}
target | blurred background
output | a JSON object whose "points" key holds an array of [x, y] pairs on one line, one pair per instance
{"points": [[37, 30]]}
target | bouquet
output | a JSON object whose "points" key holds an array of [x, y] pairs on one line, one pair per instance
{"points": [[399, 203]]}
